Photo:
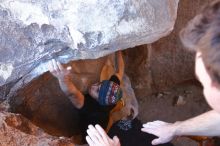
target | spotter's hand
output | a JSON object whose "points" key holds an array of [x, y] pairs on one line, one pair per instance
{"points": [[98, 137], [164, 131]]}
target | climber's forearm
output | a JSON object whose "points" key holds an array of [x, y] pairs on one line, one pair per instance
{"points": [[121, 65], [75, 95]]}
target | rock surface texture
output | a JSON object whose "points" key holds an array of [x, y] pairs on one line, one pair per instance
{"points": [[15, 130], [33, 31]]}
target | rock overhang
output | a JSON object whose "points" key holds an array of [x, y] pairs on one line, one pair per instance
{"points": [[33, 31]]}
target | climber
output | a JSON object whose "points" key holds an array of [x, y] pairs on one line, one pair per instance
{"points": [[94, 107]]}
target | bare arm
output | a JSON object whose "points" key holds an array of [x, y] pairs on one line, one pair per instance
{"points": [[67, 86], [207, 124], [121, 65]]}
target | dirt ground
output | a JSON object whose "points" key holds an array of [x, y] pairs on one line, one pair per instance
{"points": [[163, 106]]}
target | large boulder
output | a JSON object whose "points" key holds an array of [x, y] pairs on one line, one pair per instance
{"points": [[34, 31]]}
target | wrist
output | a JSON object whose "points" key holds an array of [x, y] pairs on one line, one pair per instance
{"points": [[64, 79], [177, 128], [65, 83]]}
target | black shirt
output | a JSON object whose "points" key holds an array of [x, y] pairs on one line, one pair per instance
{"points": [[94, 113], [133, 136]]}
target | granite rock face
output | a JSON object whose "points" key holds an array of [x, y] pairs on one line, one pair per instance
{"points": [[34, 31]]}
